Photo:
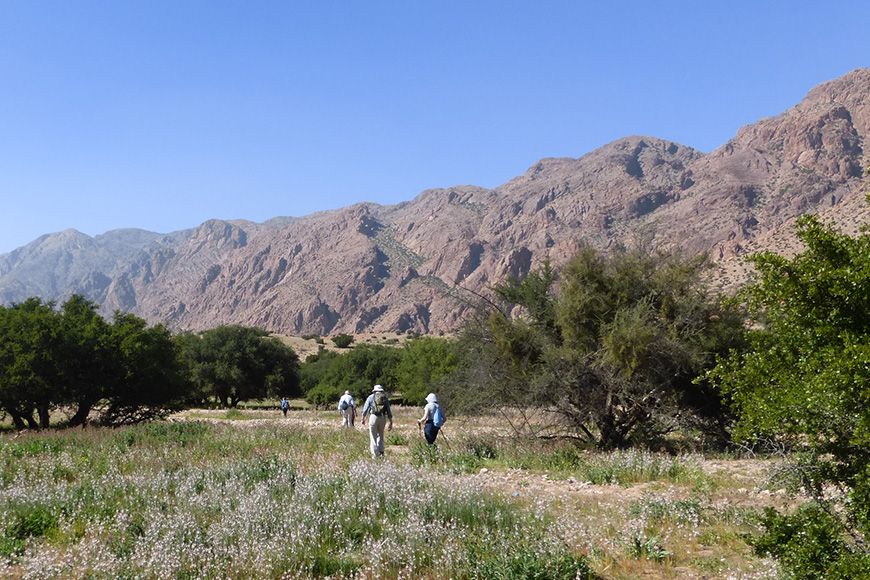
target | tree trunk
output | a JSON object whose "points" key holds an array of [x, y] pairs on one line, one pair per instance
{"points": [[17, 419], [81, 414], [44, 418], [31, 422], [610, 435]]}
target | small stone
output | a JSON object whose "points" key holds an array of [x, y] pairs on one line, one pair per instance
{"points": [[483, 470]]}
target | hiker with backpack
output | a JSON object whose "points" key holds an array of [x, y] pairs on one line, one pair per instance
{"points": [[432, 420], [378, 413], [285, 405], [347, 409]]}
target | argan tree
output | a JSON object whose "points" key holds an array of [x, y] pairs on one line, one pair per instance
{"points": [[611, 357], [237, 363], [804, 387], [71, 360]]}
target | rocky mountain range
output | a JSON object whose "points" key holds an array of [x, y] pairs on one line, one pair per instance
{"points": [[413, 266]]}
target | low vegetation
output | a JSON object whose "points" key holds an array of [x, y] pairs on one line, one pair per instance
{"points": [[191, 499], [270, 497]]}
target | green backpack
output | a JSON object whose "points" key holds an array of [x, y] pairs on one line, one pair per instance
{"points": [[379, 403]]}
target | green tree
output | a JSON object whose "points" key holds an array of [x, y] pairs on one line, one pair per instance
{"points": [[30, 373], [148, 379], [356, 371], [804, 385], [89, 360], [72, 359], [315, 367], [424, 364], [611, 357], [237, 363]]}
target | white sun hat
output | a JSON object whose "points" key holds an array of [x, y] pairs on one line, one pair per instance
{"points": [[431, 398], [377, 389]]}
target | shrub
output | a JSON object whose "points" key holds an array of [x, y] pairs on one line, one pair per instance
{"points": [[342, 340], [650, 548], [324, 395], [27, 521], [811, 543]]}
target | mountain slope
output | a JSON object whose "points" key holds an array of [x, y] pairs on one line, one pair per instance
{"points": [[406, 267]]}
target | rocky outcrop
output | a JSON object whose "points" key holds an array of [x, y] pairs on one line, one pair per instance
{"points": [[417, 265]]}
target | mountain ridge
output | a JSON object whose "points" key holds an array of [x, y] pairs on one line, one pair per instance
{"points": [[371, 267]]}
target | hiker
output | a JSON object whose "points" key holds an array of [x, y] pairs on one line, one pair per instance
{"points": [[347, 409], [377, 411], [432, 419], [285, 405]]}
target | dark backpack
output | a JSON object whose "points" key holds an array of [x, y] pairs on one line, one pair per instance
{"points": [[379, 403], [344, 405]]}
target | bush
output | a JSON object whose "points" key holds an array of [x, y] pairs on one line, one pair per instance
{"points": [[342, 340], [324, 395], [424, 366], [28, 521], [649, 548], [810, 543], [329, 374]]}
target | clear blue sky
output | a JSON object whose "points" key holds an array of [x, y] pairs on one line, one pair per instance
{"points": [[162, 114]]}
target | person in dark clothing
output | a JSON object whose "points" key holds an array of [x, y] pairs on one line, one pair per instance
{"points": [[428, 421]]}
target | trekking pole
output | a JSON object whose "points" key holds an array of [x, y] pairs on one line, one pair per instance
{"points": [[443, 436]]}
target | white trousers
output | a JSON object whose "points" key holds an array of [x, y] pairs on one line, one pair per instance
{"points": [[376, 434], [347, 417]]}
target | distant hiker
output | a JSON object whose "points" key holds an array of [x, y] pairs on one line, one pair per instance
{"points": [[285, 405], [433, 418], [377, 411], [347, 409]]}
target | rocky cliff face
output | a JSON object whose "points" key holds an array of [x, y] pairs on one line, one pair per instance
{"points": [[411, 266]]}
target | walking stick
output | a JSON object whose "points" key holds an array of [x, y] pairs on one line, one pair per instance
{"points": [[443, 436]]}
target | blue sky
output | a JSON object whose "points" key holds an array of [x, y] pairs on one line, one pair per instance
{"points": [[161, 115]]}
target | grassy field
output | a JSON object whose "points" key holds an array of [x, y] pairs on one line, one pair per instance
{"points": [[214, 494]]}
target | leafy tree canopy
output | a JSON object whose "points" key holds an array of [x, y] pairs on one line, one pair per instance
{"points": [[237, 363], [424, 364], [611, 356], [356, 371], [804, 385], [72, 360]]}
